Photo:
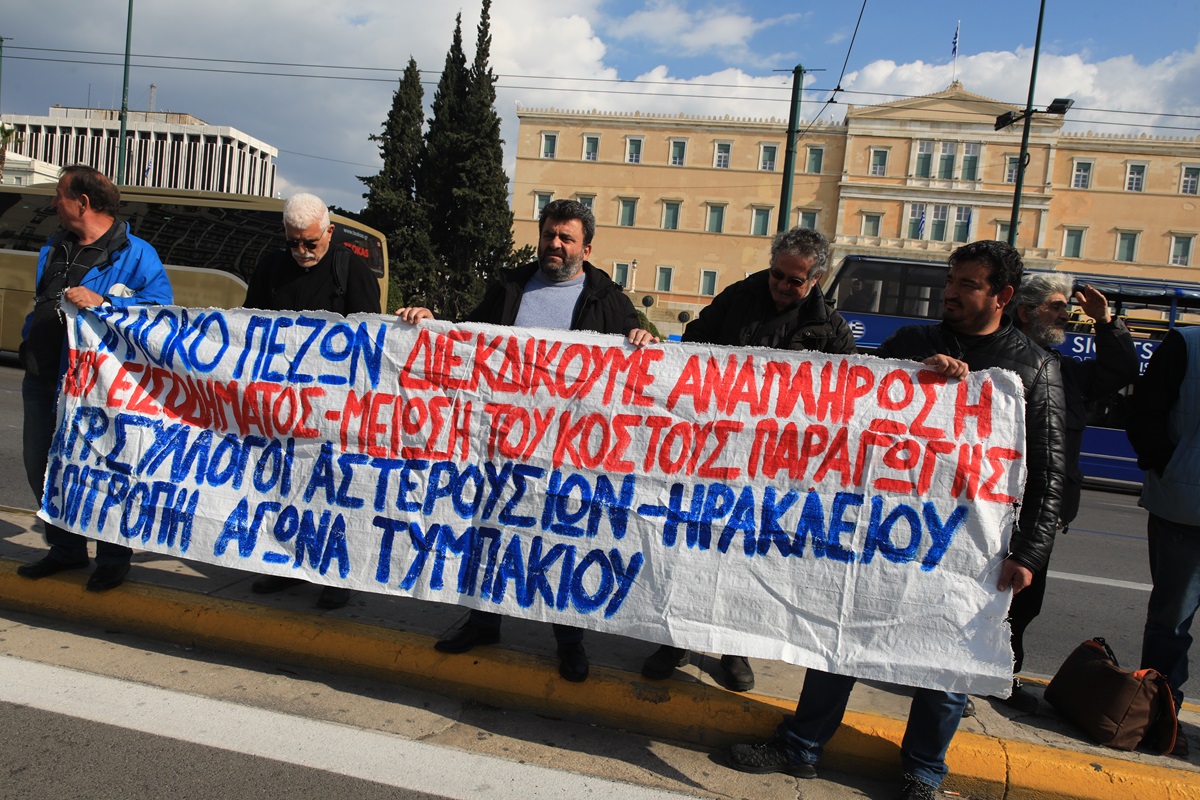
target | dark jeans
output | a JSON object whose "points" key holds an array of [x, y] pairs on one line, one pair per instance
{"points": [[563, 634], [933, 720], [41, 402], [1175, 572]]}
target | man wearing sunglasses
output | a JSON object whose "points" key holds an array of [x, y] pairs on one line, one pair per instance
{"points": [[311, 275], [780, 307]]}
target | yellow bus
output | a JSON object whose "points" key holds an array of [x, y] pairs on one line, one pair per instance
{"points": [[209, 242]]}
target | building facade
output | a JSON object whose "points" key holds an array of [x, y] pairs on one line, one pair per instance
{"points": [[21, 170], [164, 149], [685, 205]]}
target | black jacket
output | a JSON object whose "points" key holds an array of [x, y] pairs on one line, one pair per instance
{"points": [[280, 284], [1154, 395], [744, 315], [1045, 419], [603, 306], [1115, 367]]}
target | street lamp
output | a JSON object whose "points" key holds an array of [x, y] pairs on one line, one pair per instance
{"points": [[1059, 106]]}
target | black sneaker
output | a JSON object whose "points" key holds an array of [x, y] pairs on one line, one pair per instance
{"points": [[913, 788], [770, 756]]}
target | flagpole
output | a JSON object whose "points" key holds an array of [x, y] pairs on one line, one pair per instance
{"points": [[954, 50]]}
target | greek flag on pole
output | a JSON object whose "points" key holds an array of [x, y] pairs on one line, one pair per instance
{"points": [[921, 224], [954, 43]]}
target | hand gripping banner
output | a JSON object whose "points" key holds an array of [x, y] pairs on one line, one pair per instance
{"points": [[840, 512]]}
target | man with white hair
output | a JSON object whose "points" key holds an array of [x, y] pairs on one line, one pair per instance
{"points": [[311, 275], [1041, 314]]}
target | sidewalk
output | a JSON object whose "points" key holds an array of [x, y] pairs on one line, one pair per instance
{"points": [[997, 754]]}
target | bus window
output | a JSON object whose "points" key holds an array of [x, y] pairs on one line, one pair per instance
{"points": [[909, 291]]}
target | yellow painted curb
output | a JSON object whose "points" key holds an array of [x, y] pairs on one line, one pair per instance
{"points": [[982, 766]]}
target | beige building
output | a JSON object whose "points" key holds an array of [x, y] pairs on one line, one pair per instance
{"points": [[21, 170], [685, 205]]}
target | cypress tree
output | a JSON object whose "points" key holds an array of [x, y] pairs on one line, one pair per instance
{"points": [[489, 219], [463, 182], [441, 181], [392, 204]]}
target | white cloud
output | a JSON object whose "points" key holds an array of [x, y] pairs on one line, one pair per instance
{"points": [[1116, 84], [330, 120], [671, 28]]}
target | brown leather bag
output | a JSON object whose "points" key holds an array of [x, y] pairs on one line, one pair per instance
{"points": [[1116, 707]]}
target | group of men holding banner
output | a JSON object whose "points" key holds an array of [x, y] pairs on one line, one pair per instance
{"points": [[782, 307], [97, 261]]}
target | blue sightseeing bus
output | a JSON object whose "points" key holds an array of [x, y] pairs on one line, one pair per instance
{"points": [[878, 294]]}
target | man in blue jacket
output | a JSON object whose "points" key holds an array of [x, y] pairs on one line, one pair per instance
{"points": [[93, 261]]}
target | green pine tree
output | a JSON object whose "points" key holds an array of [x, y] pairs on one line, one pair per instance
{"points": [[392, 205], [462, 180], [489, 219], [440, 181]]}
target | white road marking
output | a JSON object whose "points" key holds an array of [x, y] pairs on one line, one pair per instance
{"points": [[340, 749], [1068, 576]]}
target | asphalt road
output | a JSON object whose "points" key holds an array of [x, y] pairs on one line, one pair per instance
{"points": [[108, 716], [1099, 582]]}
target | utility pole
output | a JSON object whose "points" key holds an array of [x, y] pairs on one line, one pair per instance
{"points": [[3, 39], [1023, 159], [124, 145], [789, 158]]}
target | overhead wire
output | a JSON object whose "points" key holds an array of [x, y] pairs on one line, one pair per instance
{"points": [[677, 85], [838, 86]]}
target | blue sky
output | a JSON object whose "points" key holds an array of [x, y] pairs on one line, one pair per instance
{"points": [[1108, 56]]}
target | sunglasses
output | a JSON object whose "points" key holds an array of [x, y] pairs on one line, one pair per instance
{"points": [[307, 244], [790, 281]]}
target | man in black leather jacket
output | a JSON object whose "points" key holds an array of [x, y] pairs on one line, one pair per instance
{"points": [[973, 335]]}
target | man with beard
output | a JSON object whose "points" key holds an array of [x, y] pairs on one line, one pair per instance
{"points": [[1041, 313], [311, 275], [559, 291], [780, 307], [974, 334]]}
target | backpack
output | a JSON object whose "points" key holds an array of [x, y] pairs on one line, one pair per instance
{"points": [[1116, 707]]}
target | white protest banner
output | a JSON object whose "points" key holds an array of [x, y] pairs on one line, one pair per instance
{"points": [[844, 513]]}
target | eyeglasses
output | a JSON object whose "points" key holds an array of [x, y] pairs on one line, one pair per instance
{"points": [[789, 280], [307, 244]]}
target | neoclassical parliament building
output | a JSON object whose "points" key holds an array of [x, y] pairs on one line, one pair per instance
{"points": [[685, 205]]}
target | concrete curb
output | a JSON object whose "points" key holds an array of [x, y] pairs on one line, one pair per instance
{"points": [[982, 766]]}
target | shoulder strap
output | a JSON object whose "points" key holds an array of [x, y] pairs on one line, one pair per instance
{"points": [[1164, 723], [341, 271]]}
